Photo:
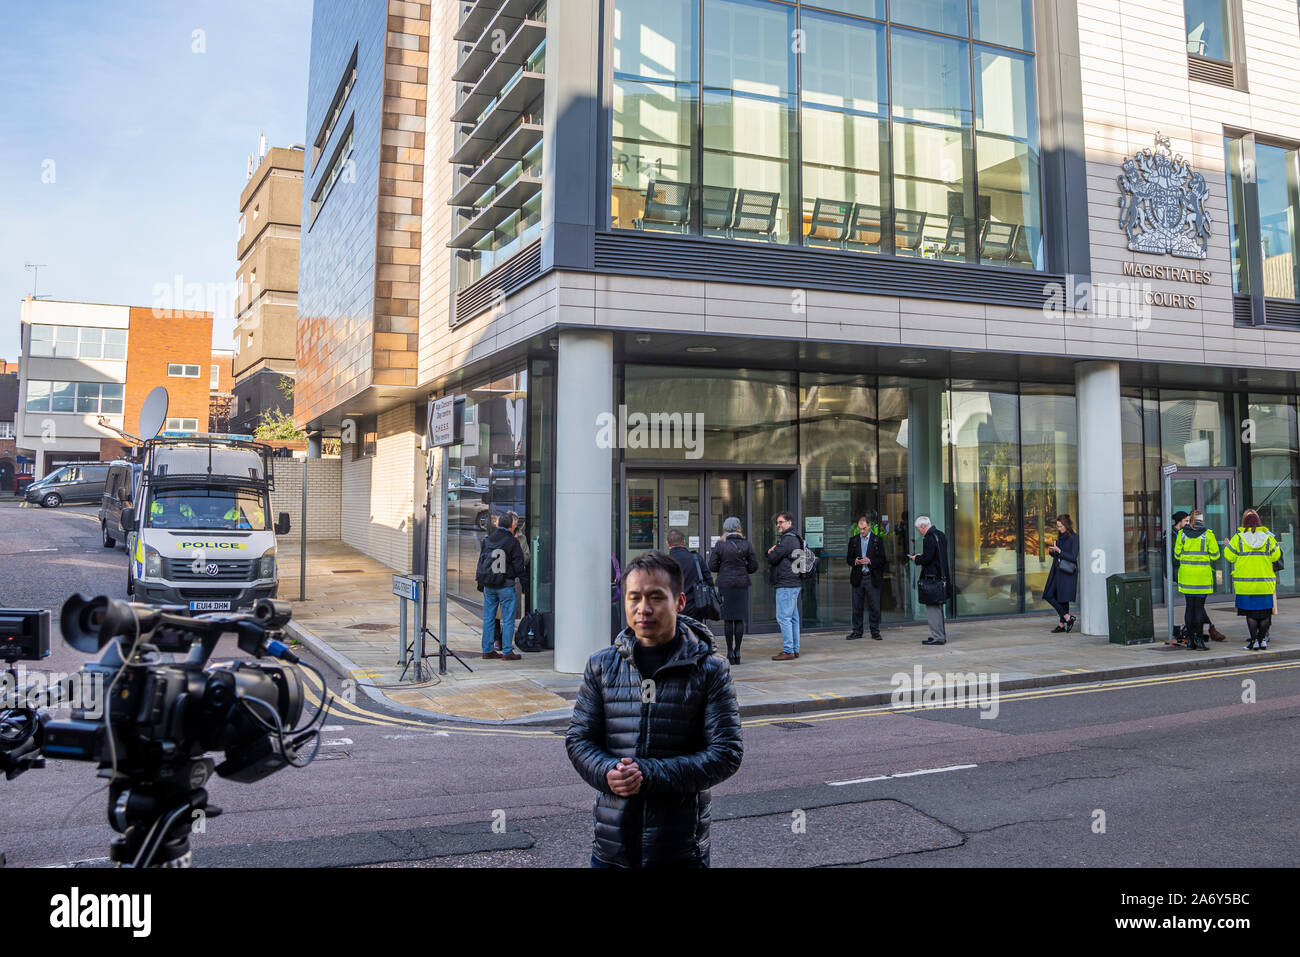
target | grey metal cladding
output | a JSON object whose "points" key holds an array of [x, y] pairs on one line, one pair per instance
{"points": [[797, 267]]}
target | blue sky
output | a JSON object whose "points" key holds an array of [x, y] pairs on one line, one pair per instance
{"points": [[145, 139]]}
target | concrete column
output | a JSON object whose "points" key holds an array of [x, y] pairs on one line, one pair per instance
{"points": [[584, 497], [313, 445], [1101, 488]]}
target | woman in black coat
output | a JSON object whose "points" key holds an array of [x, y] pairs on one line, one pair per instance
{"points": [[733, 560], [1063, 586]]}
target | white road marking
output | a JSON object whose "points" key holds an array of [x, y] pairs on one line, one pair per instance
{"points": [[903, 774], [340, 742], [427, 734], [42, 549], [332, 727]]}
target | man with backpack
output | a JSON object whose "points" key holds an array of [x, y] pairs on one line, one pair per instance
{"points": [[790, 561], [500, 564], [693, 571]]}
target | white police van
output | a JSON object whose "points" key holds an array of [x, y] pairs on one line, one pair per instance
{"points": [[200, 532]]}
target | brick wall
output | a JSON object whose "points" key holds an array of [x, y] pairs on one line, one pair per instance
{"points": [[378, 498], [158, 337], [324, 489]]}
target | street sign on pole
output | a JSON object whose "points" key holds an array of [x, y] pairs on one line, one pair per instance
{"points": [[442, 421]]}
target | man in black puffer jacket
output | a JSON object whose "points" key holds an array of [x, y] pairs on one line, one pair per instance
{"points": [[655, 726]]}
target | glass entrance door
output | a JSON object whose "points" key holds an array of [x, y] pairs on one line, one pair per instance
{"points": [[1213, 492], [696, 504]]}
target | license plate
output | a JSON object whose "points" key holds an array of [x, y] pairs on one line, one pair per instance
{"points": [[209, 606]]}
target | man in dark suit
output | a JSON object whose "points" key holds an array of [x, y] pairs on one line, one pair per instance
{"points": [[866, 556], [933, 560]]}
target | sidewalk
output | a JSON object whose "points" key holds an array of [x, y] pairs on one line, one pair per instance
{"points": [[350, 618]]}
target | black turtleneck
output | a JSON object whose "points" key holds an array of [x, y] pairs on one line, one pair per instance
{"points": [[650, 658]]}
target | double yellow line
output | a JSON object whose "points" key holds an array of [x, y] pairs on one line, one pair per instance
{"points": [[313, 691]]}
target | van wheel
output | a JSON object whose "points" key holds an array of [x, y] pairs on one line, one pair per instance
{"points": [[53, 500], [109, 541], [482, 521]]}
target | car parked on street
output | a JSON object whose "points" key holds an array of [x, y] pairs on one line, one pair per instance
{"points": [[82, 482]]}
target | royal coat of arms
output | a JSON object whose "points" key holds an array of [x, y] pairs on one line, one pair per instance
{"points": [[1162, 204]]}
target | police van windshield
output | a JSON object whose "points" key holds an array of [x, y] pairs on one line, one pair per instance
{"points": [[218, 508]]}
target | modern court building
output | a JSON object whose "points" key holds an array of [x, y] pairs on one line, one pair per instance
{"points": [[983, 260]]}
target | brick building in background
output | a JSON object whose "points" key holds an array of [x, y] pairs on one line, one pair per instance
{"points": [[221, 386], [173, 349]]}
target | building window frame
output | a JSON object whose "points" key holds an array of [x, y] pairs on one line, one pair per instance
{"points": [[182, 424], [1227, 71], [1039, 252], [334, 172], [332, 116], [74, 398], [181, 370], [76, 342]]}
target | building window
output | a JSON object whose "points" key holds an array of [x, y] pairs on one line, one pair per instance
{"points": [[1262, 217], [182, 425], [912, 135], [214, 383], [6, 430], [342, 156], [180, 371], [77, 342], [336, 108], [93, 398], [1212, 52]]}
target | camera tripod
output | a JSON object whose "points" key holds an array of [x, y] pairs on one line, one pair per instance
{"points": [[155, 817]]}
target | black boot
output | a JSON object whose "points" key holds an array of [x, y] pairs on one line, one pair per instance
{"points": [[1200, 643], [731, 654], [736, 659]]}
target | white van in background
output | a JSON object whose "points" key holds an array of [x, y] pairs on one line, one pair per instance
{"points": [[200, 534]]}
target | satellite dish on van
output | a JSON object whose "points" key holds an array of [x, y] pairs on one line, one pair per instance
{"points": [[153, 413]]}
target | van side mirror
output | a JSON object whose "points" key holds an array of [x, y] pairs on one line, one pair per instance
{"points": [[128, 520], [282, 524]]}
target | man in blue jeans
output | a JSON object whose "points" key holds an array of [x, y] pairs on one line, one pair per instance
{"points": [[788, 585], [500, 564]]}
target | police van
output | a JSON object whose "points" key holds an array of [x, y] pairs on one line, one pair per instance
{"points": [[199, 533]]}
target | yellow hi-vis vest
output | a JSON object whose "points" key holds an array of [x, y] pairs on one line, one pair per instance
{"points": [[1252, 554], [1196, 558]]}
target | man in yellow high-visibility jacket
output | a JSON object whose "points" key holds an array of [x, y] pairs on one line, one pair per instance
{"points": [[1196, 550], [169, 511], [252, 519], [1252, 552]]}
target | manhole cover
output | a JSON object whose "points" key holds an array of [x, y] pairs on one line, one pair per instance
{"points": [[790, 725], [373, 626]]}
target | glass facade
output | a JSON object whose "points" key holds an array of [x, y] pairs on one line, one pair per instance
{"points": [[992, 464], [910, 131], [488, 475]]}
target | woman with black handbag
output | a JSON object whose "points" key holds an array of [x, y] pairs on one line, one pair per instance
{"points": [[733, 560], [1063, 580]]}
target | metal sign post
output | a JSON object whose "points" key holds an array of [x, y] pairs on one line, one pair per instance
{"points": [[1166, 472], [302, 539], [410, 588], [446, 425]]}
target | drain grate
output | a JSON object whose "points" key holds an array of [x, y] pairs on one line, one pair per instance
{"points": [[790, 725], [346, 571], [332, 755], [373, 626]]}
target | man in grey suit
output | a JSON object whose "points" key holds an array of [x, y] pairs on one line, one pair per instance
{"points": [[933, 560]]}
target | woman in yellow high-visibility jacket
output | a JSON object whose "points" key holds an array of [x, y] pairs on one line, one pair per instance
{"points": [[1196, 550], [1252, 552]]}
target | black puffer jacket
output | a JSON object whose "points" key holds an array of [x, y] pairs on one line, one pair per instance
{"points": [[685, 740]]}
